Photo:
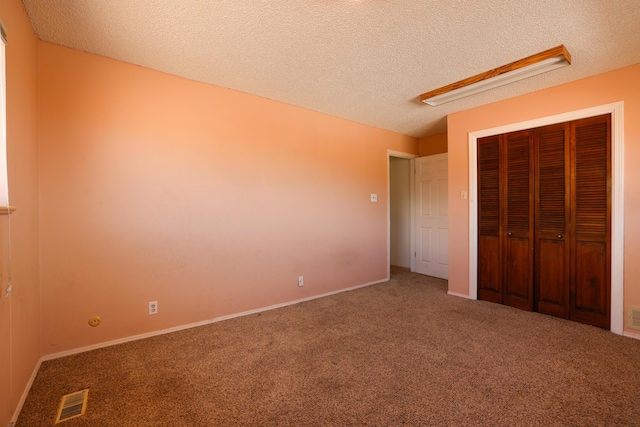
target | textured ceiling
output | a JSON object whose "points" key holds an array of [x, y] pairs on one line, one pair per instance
{"points": [[365, 60]]}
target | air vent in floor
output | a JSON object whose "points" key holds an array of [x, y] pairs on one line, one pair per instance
{"points": [[72, 405]]}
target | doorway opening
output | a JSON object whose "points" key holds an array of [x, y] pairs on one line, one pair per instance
{"points": [[400, 212], [400, 217]]}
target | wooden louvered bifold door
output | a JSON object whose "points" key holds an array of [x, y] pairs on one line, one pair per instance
{"points": [[591, 216], [489, 247], [544, 220], [518, 220], [552, 234]]}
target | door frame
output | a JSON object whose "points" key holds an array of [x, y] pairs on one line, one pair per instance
{"points": [[616, 110], [410, 157]]}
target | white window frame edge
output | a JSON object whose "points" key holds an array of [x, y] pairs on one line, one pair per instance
{"points": [[616, 110], [4, 181]]}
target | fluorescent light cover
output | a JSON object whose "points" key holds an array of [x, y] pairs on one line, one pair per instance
{"points": [[519, 70]]}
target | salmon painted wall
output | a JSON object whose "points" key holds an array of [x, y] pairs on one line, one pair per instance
{"points": [[20, 331], [434, 144], [208, 200], [614, 86]]}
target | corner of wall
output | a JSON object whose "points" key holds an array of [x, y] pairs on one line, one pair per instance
{"points": [[434, 144]]}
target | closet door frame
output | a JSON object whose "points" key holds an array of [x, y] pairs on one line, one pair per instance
{"points": [[617, 197]]}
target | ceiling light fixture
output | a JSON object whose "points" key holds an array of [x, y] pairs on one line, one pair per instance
{"points": [[518, 70]]}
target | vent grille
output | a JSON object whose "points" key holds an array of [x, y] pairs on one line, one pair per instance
{"points": [[72, 405], [634, 318]]}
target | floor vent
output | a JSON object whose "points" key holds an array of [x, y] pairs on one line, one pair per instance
{"points": [[634, 317], [72, 405]]}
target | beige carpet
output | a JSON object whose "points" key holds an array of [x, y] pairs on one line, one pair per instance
{"points": [[398, 353]]}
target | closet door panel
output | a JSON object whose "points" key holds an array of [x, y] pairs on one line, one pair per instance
{"points": [[489, 269], [489, 208], [518, 279], [552, 234], [591, 275], [591, 263], [518, 176], [553, 291]]}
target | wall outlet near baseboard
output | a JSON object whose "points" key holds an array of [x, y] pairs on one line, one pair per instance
{"points": [[153, 307], [300, 280]]}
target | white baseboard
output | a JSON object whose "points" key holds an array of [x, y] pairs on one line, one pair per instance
{"points": [[23, 398], [166, 331], [196, 324], [298, 301], [123, 340], [634, 335], [455, 294]]}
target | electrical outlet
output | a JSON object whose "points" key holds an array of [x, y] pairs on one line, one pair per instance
{"points": [[300, 280], [374, 197], [153, 307]]}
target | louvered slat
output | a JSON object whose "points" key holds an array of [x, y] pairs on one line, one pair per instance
{"points": [[591, 179], [518, 184], [551, 182], [489, 184]]}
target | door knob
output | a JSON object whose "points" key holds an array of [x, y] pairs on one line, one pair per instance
{"points": [[559, 236], [510, 233]]}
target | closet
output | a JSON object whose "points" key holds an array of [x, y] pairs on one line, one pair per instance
{"points": [[544, 220]]}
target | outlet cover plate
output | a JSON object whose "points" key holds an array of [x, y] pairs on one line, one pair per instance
{"points": [[153, 307]]}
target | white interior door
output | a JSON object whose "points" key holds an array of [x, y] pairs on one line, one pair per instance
{"points": [[432, 223]]}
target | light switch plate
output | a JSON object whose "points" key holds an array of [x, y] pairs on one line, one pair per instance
{"points": [[374, 197]]}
